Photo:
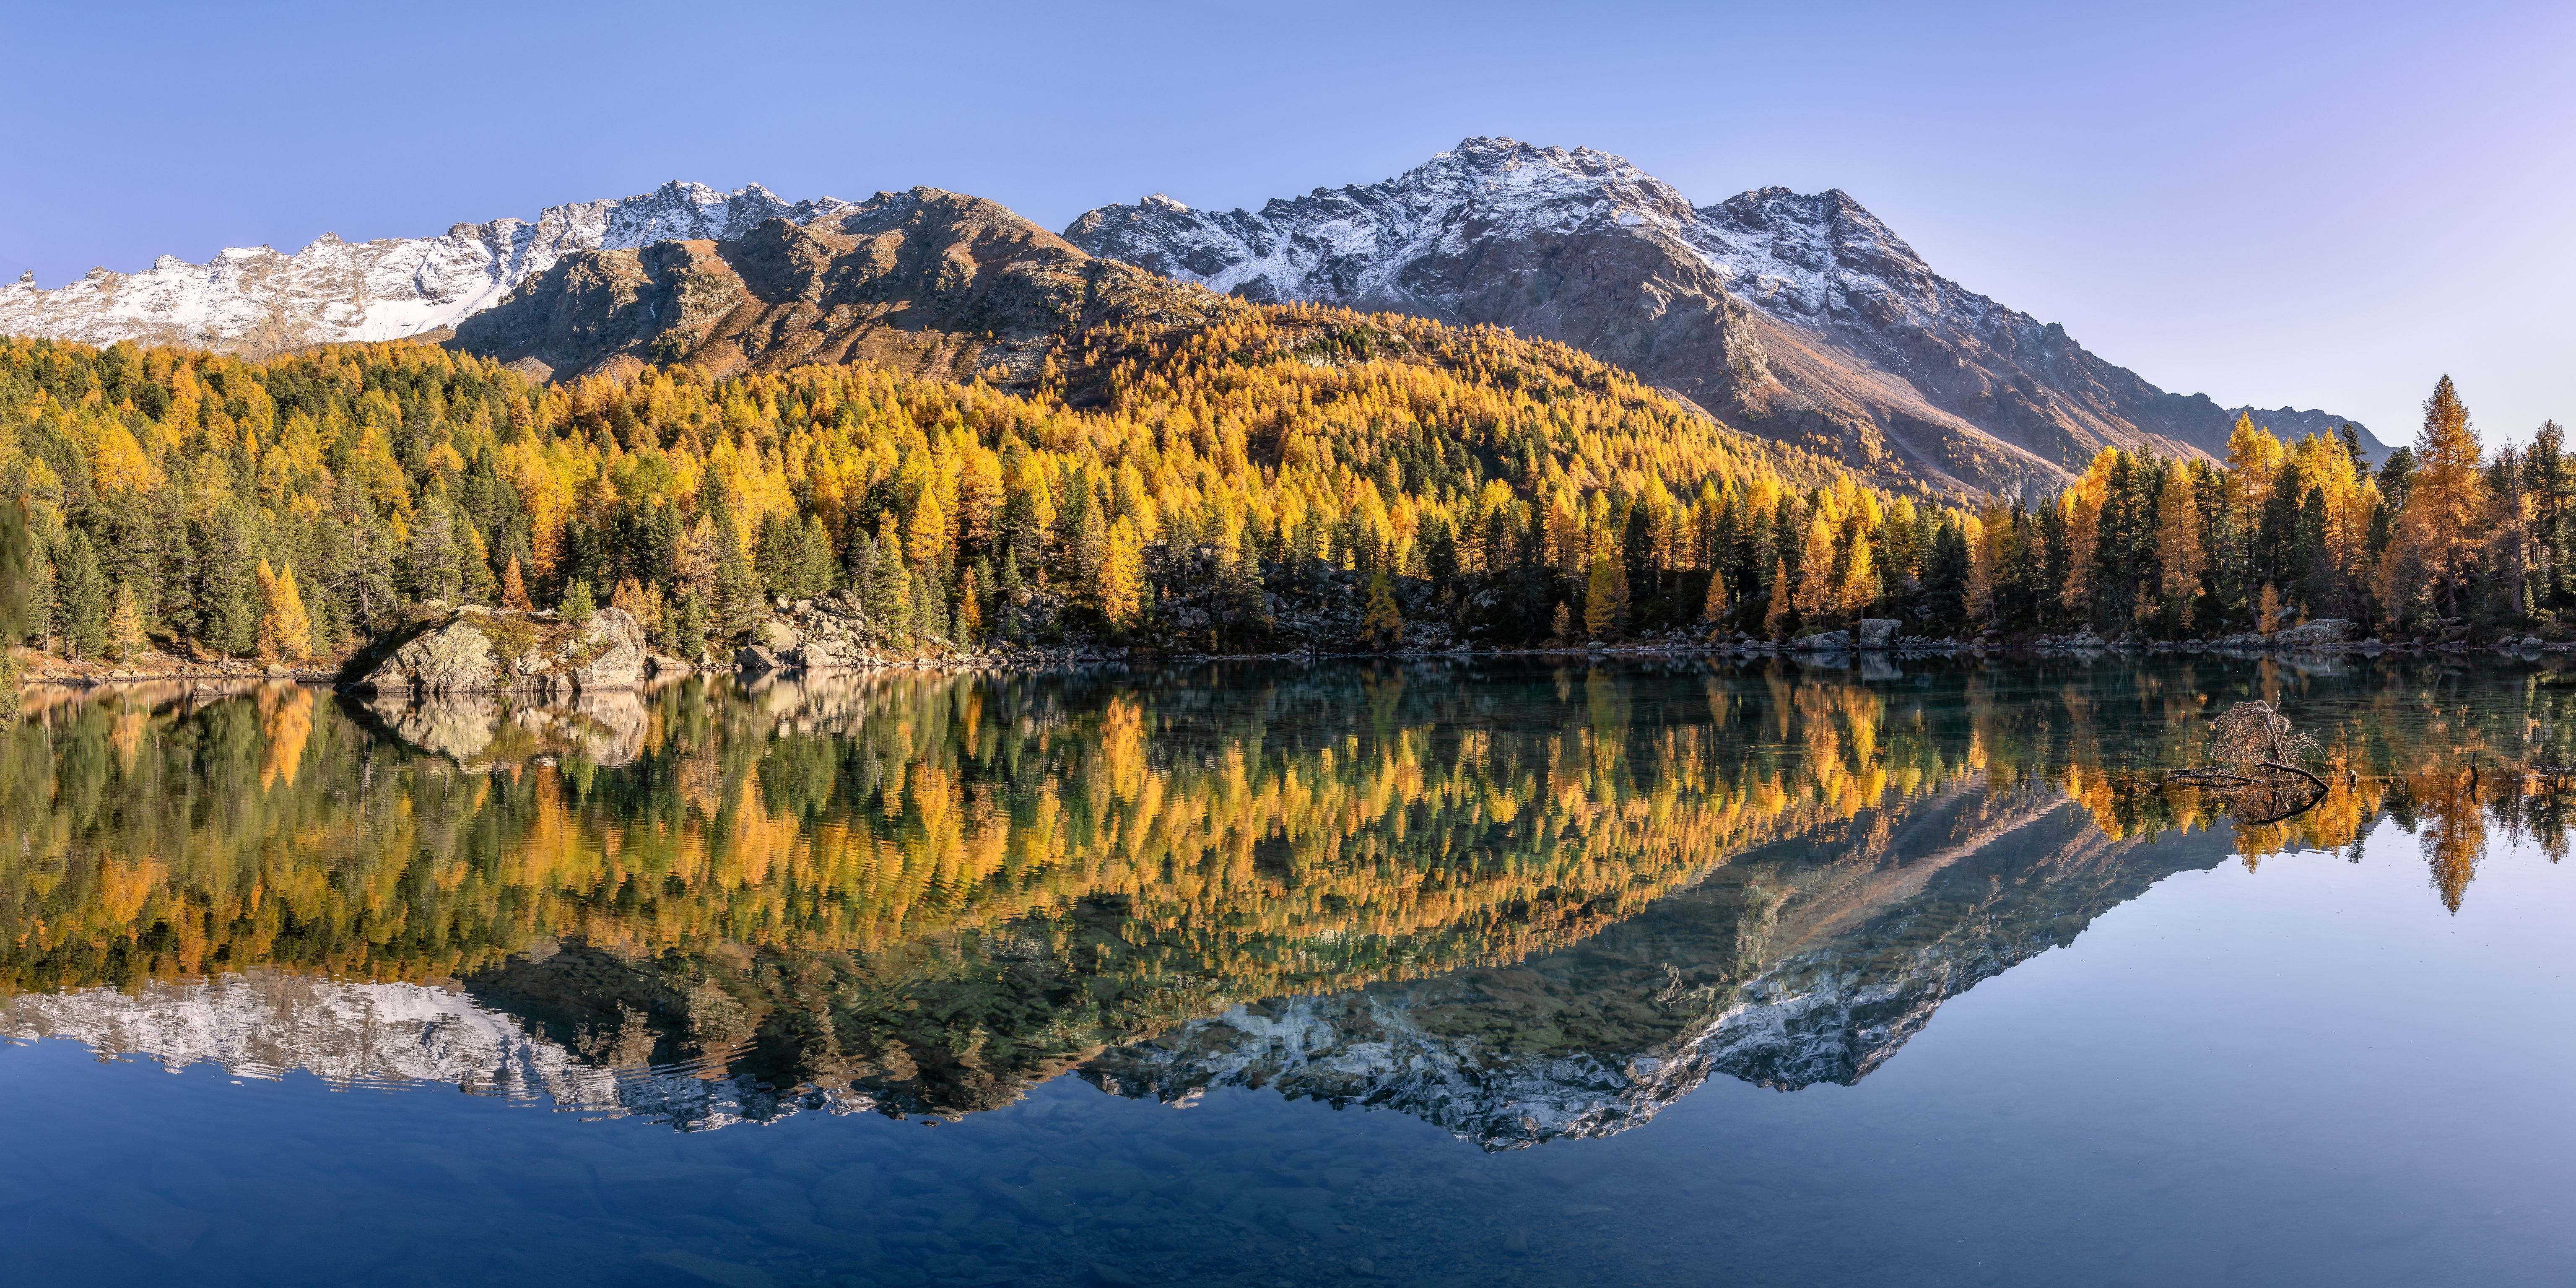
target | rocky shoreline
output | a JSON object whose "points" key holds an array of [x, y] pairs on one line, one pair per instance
{"points": [[479, 650]]}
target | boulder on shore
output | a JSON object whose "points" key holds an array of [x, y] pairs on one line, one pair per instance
{"points": [[462, 650], [1822, 641], [2324, 630], [1878, 632]]}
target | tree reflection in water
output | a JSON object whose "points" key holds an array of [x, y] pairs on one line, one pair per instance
{"points": [[1523, 900]]}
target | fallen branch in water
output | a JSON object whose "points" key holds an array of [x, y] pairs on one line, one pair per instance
{"points": [[2206, 776], [2293, 769]]}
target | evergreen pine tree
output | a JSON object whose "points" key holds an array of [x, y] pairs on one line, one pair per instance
{"points": [[1006, 595], [970, 614], [80, 598], [689, 626], [578, 605]]}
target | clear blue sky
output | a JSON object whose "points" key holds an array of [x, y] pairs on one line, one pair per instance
{"points": [[2327, 205]]}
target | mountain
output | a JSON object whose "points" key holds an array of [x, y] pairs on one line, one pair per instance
{"points": [[925, 281], [1802, 317], [387, 289]]}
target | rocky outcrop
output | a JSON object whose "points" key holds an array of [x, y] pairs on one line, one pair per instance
{"points": [[2324, 632], [480, 650], [617, 652], [1877, 632], [452, 658]]}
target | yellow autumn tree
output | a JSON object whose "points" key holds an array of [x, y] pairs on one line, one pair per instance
{"points": [[268, 644], [1817, 586], [285, 629], [125, 626], [2178, 554], [1122, 573], [1860, 583], [514, 588]]}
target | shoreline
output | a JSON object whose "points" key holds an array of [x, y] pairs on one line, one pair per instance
{"points": [[60, 675]]}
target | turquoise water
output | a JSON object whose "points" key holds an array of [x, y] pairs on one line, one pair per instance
{"points": [[2031, 1019]]}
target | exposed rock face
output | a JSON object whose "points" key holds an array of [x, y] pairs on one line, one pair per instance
{"points": [[2324, 630], [454, 658], [377, 290], [1799, 316], [462, 653], [618, 662], [925, 281], [1878, 632], [1823, 642]]}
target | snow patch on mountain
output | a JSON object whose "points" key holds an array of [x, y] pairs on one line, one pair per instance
{"points": [[1805, 259], [377, 290]]}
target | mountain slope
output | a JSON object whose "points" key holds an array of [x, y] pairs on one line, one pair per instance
{"points": [[925, 281], [1802, 317], [387, 289]]}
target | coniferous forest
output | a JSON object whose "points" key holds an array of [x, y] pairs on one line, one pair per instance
{"points": [[1516, 490]]}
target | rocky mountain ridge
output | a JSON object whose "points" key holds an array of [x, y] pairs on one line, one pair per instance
{"points": [[1801, 316], [927, 282], [385, 289]]}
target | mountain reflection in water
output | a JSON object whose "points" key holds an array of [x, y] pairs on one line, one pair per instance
{"points": [[1519, 901]]}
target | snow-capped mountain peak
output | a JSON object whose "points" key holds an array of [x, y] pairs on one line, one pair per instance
{"points": [[378, 290], [1799, 315]]}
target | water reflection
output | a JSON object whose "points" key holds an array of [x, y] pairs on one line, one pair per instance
{"points": [[1519, 902]]}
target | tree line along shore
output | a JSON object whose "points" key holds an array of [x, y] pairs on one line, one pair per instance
{"points": [[1289, 479]]}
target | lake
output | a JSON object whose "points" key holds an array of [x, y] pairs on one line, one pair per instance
{"points": [[1520, 971]]}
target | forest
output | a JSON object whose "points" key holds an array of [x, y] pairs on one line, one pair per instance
{"points": [[213, 507]]}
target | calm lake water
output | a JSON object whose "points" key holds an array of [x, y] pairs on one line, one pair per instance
{"points": [[1510, 973]]}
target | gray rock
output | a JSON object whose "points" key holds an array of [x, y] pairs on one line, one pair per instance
{"points": [[2324, 630], [776, 636], [454, 658], [1878, 632], [754, 658], [620, 662], [1822, 641]]}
